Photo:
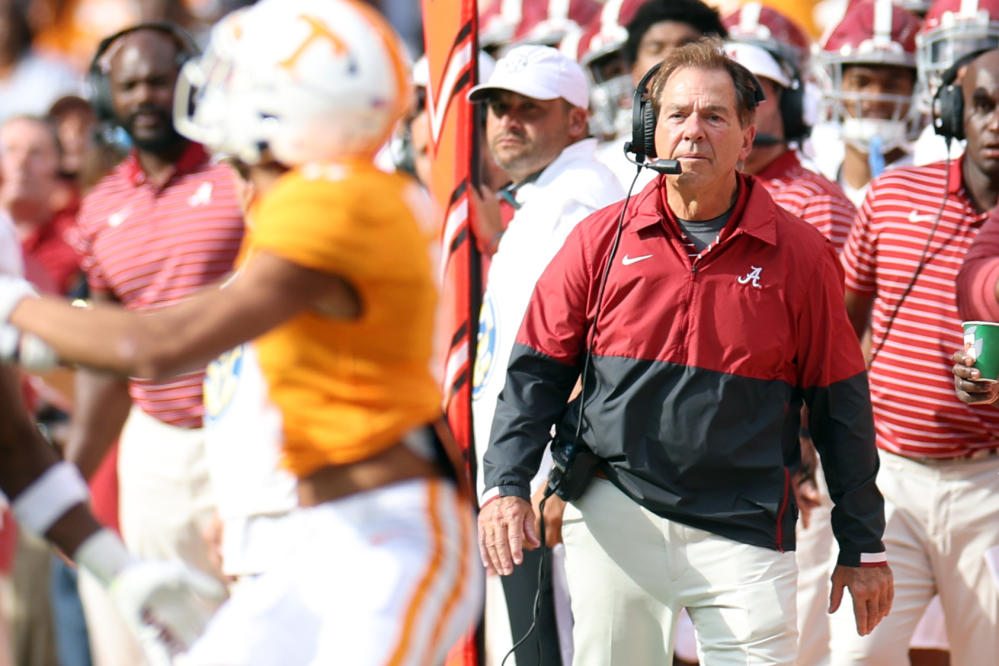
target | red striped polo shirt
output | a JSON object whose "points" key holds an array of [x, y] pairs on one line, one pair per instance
{"points": [[151, 247], [915, 409], [811, 196]]}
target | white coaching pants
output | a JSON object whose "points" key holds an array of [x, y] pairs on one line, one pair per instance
{"points": [[165, 500], [631, 571], [390, 575], [941, 519], [164, 493]]}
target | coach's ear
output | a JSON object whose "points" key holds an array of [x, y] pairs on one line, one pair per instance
{"points": [[748, 135], [579, 123]]}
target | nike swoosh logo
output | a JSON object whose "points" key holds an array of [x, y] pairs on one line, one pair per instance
{"points": [[116, 218], [628, 261], [916, 218]]}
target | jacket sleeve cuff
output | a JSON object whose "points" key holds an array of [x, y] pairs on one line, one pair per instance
{"points": [[523, 492], [856, 559]]}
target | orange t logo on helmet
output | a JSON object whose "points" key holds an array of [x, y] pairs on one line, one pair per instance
{"points": [[318, 30]]}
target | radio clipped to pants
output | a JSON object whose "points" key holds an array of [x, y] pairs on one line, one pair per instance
{"points": [[573, 467]]}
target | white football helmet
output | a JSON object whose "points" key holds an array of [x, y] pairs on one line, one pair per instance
{"points": [[305, 80]]}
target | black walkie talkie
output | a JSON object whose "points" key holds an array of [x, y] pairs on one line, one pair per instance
{"points": [[573, 466]]}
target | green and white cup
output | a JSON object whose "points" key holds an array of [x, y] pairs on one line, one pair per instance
{"points": [[981, 342]]}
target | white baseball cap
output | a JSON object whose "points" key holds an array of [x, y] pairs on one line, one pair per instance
{"points": [[759, 61], [539, 72]]}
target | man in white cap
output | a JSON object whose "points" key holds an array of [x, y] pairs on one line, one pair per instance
{"points": [[536, 129]]}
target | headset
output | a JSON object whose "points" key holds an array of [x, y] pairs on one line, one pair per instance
{"points": [[643, 123], [948, 103], [97, 73], [792, 105], [643, 119]]}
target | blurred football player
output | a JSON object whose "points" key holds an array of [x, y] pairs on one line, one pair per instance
{"points": [[326, 334]]}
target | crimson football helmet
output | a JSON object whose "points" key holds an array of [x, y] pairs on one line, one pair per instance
{"points": [[917, 7], [769, 29], [507, 23], [548, 22], [875, 33], [953, 29], [497, 22], [599, 48]]}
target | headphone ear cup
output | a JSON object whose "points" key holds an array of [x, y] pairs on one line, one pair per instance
{"points": [[949, 111], [648, 129], [100, 94], [638, 122], [792, 112], [643, 119]]}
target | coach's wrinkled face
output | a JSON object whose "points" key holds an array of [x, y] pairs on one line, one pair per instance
{"points": [[699, 126]]}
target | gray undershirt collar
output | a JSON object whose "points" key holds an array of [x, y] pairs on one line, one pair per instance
{"points": [[704, 232]]}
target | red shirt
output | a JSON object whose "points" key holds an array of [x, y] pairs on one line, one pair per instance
{"points": [[811, 196], [51, 246], [912, 388], [151, 247]]}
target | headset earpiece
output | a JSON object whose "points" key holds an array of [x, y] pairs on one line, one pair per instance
{"points": [[649, 130], [98, 80], [643, 119], [948, 111], [758, 95], [948, 104], [792, 110]]}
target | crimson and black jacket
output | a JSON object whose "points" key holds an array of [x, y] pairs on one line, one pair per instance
{"points": [[698, 372]]}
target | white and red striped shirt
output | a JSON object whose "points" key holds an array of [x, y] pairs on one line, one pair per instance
{"points": [[150, 247], [915, 409], [811, 196]]}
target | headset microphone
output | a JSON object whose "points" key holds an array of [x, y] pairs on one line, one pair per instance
{"points": [[669, 167]]}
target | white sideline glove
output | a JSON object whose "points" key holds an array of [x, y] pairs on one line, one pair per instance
{"points": [[25, 349], [165, 603], [12, 290]]}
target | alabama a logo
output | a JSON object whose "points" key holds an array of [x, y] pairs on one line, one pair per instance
{"points": [[752, 277]]}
